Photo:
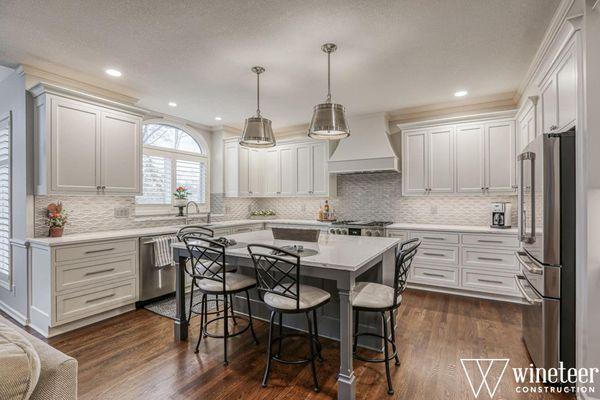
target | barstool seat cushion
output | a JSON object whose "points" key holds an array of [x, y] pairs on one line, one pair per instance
{"points": [[374, 295], [234, 282], [310, 296]]}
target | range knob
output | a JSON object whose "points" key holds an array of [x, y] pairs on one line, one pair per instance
{"points": [[377, 233], [344, 232], [332, 231], [368, 233], [338, 231]]}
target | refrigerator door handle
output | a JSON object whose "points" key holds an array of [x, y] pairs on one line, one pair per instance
{"points": [[530, 300]]}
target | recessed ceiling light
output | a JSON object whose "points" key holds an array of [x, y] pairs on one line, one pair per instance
{"points": [[218, 118], [172, 104], [461, 93], [113, 72]]}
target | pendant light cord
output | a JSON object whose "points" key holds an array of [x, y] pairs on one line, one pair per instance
{"points": [[258, 94], [328, 77]]}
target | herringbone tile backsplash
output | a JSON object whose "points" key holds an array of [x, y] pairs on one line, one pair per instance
{"points": [[374, 196]]}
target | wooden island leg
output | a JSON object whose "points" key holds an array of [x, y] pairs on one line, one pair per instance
{"points": [[180, 324], [346, 379]]}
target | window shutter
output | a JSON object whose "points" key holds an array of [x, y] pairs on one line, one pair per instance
{"points": [[156, 181], [192, 175]]}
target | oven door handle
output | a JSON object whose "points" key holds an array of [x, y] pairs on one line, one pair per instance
{"points": [[530, 300], [529, 265]]}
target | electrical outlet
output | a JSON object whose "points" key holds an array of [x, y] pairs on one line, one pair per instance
{"points": [[434, 210], [227, 209], [121, 212], [303, 207]]}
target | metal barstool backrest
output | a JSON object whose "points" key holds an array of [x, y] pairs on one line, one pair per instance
{"points": [[404, 258], [207, 257], [277, 271], [196, 230]]}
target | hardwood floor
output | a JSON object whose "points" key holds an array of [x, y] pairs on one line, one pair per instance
{"points": [[134, 356]]}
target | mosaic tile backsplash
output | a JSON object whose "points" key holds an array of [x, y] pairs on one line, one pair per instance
{"points": [[374, 196]]}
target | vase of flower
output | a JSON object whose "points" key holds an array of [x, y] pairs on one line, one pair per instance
{"points": [[56, 220], [180, 198]]}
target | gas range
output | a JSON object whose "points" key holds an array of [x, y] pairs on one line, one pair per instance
{"points": [[359, 228]]}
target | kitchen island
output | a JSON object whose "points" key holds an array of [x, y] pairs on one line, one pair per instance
{"points": [[340, 262]]}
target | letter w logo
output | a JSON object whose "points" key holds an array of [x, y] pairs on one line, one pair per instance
{"points": [[484, 372]]}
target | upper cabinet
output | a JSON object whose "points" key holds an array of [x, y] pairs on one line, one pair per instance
{"points": [[83, 146], [463, 158], [558, 93], [295, 168]]}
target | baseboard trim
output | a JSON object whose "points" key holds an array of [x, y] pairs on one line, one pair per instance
{"points": [[466, 293], [14, 314]]}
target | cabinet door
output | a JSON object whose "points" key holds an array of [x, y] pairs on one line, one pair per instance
{"points": [[566, 84], [287, 171], [549, 106], [255, 184], [271, 171], [75, 146], [230, 164], [303, 169], [243, 171], [320, 174], [441, 160], [470, 159], [500, 157], [415, 162], [121, 152]]}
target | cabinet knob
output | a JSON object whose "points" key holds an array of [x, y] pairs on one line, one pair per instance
{"points": [[98, 187], [103, 187], [553, 128]]}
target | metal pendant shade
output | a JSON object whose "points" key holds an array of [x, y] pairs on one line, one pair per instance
{"points": [[257, 132], [329, 119]]}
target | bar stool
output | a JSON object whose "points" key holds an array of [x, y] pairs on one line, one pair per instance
{"points": [[278, 284], [208, 270], [375, 297]]}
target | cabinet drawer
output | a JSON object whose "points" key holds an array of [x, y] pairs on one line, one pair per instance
{"points": [[402, 235], [483, 281], [222, 232], [244, 228], [95, 271], [98, 249], [490, 240], [96, 300], [438, 276], [436, 237], [437, 255], [497, 259]]}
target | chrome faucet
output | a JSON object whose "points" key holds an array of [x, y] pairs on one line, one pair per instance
{"points": [[187, 210]]}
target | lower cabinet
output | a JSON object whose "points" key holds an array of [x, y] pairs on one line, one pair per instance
{"points": [[472, 264]]}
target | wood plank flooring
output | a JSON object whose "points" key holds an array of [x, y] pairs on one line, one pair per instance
{"points": [[134, 356]]}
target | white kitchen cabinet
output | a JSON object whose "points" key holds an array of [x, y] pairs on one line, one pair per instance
{"points": [[470, 158], [441, 160], [500, 157], [527, 123], [559, 94], [296, 168], [84, 144], [414, 162]]}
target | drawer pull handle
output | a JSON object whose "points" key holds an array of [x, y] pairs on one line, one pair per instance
{"points": [[434, 254], [100, 298], [490, 281], [489, 259], [433, 238], [99, 272], [98, 251], [434, 275], [489, 241]]}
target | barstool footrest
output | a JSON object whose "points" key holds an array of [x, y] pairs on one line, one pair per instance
{"points": [[296, 335], [229, 317], [375, 360]]}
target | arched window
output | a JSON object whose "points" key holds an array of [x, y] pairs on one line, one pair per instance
{"points": [[172, 158]]}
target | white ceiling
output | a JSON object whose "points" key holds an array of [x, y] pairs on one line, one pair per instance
{"points": [[392, 54]]}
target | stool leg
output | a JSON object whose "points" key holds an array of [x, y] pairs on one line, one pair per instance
{"points": [[387, 356], [280, 334], [225, 329], [202, 312], [189, 318], [394, 336], [232, 313], [312, 353], [268, 367], [355, 344], [250, 317], [317, 335]]}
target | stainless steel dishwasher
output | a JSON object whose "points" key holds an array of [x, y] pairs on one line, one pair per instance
{"points": [[154, 282]]}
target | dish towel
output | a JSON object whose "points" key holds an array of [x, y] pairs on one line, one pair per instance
{"points": [[163, 255]]}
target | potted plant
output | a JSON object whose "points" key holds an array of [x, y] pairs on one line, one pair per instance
{"points": [[180, 196], [56, 220], [262, 214]]}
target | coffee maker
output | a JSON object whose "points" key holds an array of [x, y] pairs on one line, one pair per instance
{"points": [[501, 215]]}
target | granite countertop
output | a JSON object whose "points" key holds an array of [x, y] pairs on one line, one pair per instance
{"points": [[165, 230]]}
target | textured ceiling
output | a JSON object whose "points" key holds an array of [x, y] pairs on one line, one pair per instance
{"points": [[392, 54]]}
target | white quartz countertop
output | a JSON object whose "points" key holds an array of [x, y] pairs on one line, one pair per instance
{"points": [[341, 252], [452, 228]]}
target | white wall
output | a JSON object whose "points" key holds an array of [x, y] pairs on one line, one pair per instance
{"points": [[13, 98]]}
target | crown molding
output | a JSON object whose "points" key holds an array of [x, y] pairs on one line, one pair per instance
{"points": [[506, 114]]}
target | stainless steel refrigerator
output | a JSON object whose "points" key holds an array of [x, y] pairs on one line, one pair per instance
{"points": [[547, 248]]}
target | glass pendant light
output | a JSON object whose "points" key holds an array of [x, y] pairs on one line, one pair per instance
{"points": [[257, 131], [329, 119]]}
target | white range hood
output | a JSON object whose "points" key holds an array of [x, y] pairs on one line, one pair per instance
{"points": [[369, 147]]}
